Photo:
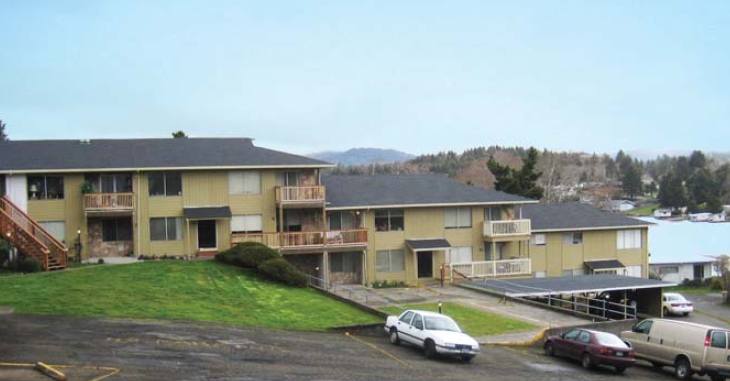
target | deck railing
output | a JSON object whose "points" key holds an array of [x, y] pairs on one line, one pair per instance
{"points": [[303, 194], [305, 239], [493, 269], [506, 228], [108, 201]]}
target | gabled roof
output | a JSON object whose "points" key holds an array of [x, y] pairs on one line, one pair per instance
{"points": [[575, 216], [132, 154], [419, 190]]}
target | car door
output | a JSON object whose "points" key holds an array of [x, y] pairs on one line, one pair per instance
{"points": [[717, 355], [403, 326], [583, 341], [417, 332], [566, 345], [639, 336]]}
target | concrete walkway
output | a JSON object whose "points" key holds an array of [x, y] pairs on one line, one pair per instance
{"points": [[539, 317]]}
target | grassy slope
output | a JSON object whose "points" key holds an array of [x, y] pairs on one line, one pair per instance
{"points": [[473, 322], [200, 290]]}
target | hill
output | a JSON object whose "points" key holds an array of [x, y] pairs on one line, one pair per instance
{"points": [[362, 156]]}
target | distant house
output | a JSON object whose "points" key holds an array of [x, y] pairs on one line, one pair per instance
{"points": [[718, 217], [679, 271], [700, 217], [621, 205], [662, 213]]}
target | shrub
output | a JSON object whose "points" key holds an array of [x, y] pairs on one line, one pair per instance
{"points": [[386, 284], [226, 256], [100, 261], [278, 269], [716, 284], [30, 265], [692, 283], [247, 254]]}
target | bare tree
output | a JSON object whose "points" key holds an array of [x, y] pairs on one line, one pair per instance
{"points": [[722, 267]]}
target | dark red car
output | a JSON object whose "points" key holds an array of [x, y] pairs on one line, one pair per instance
{"points": [[592, 348]]}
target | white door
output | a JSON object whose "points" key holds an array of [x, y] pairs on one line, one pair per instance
{"points": [[17, 188]]}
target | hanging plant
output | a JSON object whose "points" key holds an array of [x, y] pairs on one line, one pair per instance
{"points": [[86, 187]]}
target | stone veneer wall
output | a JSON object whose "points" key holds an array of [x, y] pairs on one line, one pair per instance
{"points": [[98, 248]]}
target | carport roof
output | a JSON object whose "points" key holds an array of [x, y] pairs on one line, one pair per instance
{"points": [[428, 244], [604, 264], [567, 285]]}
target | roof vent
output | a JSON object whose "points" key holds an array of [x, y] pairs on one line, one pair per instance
{"points": [[85, 142]]}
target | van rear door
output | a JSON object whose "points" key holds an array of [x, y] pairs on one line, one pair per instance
{"points": [[717, 355]]}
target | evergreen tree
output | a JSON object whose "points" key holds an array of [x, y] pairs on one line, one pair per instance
{"points": [[3, 135], [179, 134], [671, 192], [631, 181], [521, 182]]}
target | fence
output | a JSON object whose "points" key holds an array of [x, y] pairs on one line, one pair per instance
{"points": [[504, 267], [354, 293]]}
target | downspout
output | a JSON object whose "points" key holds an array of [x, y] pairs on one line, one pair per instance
{"points": [[139, 236]]}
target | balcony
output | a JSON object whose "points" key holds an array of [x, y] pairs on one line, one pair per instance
{"points": [[300, 197], [307, 241], [108, 204], [507, 230], [492, 269]]}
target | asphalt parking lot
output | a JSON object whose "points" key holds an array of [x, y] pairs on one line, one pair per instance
{"points": [[164, 350]]}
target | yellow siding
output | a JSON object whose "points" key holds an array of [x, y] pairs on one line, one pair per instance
{"points": [[205, 188]]}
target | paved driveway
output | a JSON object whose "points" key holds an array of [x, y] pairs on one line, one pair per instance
{"points": [[162, 350], [708, 310]]}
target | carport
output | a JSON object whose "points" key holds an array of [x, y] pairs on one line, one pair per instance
{"points": [[602, 295]]}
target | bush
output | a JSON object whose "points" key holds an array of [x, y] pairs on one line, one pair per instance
{"points": [[386, 284], [30, 265], [247, 254], [100, 261], [278, 269], [716, 284], [692, 283]]}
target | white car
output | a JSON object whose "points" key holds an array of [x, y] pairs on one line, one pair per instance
{"points": [[674, 303], [437, 334]]}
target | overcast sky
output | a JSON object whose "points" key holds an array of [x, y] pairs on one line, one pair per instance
{"points": [[420, 76]]}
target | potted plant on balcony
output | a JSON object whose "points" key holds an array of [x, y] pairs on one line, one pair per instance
{"points": [[86, 187]]}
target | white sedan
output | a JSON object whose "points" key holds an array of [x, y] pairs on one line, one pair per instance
{"points": [[674, 303], [437, 334]]}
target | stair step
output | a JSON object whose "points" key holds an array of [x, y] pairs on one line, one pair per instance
{"points": [[59, 267]]}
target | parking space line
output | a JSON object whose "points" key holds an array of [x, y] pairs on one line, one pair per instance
{"points": [[112, 370], [396, 359]]}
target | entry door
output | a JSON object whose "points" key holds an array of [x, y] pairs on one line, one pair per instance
{"points": [[207, 235], [425, 264]]}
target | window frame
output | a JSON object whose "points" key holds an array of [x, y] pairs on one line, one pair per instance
{"points": [[177, 221], [576, 238], [42, 194], [245, 216], [246, 183], [458, 211], [390, 257], [165, 192], [629, 239], [389, 220], [116, 221]]}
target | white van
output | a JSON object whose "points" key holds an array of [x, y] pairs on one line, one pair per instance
{"points": [[688, 347]]}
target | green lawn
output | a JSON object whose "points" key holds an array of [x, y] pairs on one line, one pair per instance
{"points": [[691, 290], [646, 210], [196, 290], [473, 322]]}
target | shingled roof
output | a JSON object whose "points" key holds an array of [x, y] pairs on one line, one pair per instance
{"points": [[128, 154], [575, 216], [382, 191]]}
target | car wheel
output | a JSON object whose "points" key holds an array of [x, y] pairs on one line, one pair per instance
{"points": [[717, 377], [666, 311], [467, 358], [620, 369], [394, 339], [682, 369], [587, 361], [429, 348], [549, 349]]}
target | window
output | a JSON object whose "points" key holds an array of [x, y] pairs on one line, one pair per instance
{"points": [[584, 337], [573, 272], [389, 220], [461, 254], [345, 262], [56, 228], [117, 183], [165, 183], [575, 238], [287, 179], [2, 185], [390, 261], [628, 239], [572, 335], [609, 271], [417, 321], [293, 219], [166, 229], [406, 318], [247, 223], [244, 182], [493, 213], [342, 220], [719, 340], [116, 229], [643, 327], [455, 218], [45, 187], [538, 240]]}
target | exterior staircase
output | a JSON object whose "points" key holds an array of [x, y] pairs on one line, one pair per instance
{"points": [[30, 238]]}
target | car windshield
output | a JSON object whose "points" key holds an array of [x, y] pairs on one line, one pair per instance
{"points": [[610, 340], [676, 298], [437, 323]]}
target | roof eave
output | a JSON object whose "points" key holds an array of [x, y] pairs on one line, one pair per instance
{"points": [[430, 205], [191, 168]]}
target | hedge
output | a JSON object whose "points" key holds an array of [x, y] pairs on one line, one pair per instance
{"points": [[280, 270], [247, 254], [30, 265]]}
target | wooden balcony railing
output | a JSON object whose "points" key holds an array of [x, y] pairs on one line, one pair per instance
{"points": [[314, 239], [305, 194], [108, 201], [507, 228]]}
